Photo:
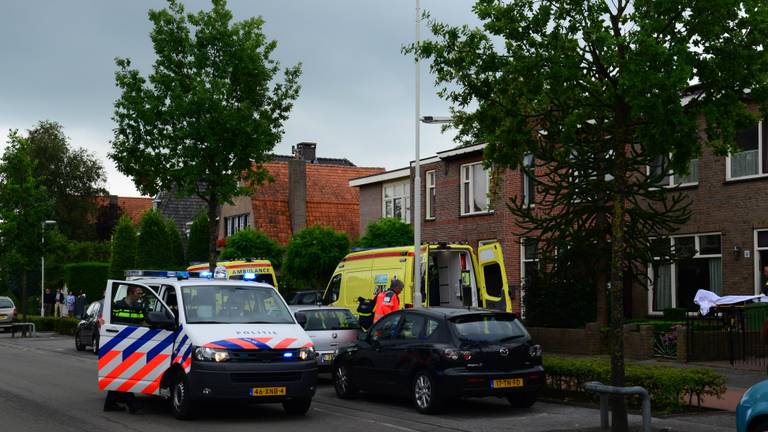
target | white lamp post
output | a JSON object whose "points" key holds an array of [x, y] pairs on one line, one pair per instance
{"points": [[417, 177], [42, 267]]}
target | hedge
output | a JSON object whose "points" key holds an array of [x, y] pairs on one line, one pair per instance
{"points": [[65, 326], [671, 389], [90, 277]]}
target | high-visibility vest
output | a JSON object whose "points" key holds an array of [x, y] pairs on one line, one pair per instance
{"points": [[385, 303]]}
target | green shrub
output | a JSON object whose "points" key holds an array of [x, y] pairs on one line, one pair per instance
{"points": [[387, 232], [152, 250], [178, 262], [90, 277], [123, 249], [198, 247], [313, 254], [250, 243], [65, 326], [671, 389], [659, 326]]}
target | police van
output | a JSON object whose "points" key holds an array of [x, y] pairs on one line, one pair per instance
{"points": [[452, 276], [193, 340], [261, 268]]}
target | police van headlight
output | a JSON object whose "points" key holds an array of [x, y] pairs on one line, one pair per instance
{"points": [[307, 353], [211, 354]]}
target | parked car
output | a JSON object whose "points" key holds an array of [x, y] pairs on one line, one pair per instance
{"points": [[87, 332], [329, 328], [752, 411], [7, 313], [306, 298], [437, 354]]}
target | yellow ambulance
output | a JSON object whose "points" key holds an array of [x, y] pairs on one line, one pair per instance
{"points": [[452, 276], [258, 269]]}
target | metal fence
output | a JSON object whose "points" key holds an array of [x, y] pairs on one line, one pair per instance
{"points": [[737, 334]]}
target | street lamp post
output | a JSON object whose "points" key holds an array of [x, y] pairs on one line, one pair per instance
{"points": [[42, 267], [417, 176]]}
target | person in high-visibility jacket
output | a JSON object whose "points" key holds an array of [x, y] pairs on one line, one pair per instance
{"points": [[389, 300]]}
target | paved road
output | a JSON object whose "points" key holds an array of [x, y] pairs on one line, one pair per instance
{"points": [[46, 385]]}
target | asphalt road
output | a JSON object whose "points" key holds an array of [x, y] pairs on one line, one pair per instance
{"points": [[46, 385]]}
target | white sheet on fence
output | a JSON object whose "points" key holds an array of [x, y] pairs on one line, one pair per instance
{"points": [[707, 300]]}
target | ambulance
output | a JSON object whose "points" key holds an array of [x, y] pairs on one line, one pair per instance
{"points": [[236, 268], [452, 276], [194, 340]]}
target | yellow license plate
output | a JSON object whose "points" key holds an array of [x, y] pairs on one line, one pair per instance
{"points": [[268, 391], [507, 383], [2, 317], [328, 357]]}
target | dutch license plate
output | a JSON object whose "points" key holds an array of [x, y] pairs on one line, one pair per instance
{"points": [[328, 357], [268, 391], [507, 383], [2, 317]]}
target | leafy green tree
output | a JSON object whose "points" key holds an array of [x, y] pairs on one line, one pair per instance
{"points": [[198, 247], [313, 254], [387, 232], [207, 117], [596, 91], [24, 205], [176, 246], [250, 243], [124, 245], [72, 176], [152, 250]]}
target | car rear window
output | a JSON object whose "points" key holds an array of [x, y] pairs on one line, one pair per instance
{"points": [[5, 303], [488, 327], [335, 319]]}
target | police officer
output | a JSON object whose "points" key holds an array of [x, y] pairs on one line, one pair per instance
{"points": [[389, 300]]}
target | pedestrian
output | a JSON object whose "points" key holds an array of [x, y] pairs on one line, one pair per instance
{"points": [[59, 307], [80, 305], [388, 301], [70, 304], [49, 300]]}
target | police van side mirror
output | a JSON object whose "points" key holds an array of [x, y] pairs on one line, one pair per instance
{"points": [[301, 318], [160, 319]]}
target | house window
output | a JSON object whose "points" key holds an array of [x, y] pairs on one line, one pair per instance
{"points": [[670, 178], [761, 261], [474, 189], [697, 265], [233, 224], [430, 195], [397, 200], [752, 160], [529, 264], [529, 187]]}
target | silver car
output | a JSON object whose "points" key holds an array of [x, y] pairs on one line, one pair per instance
{"points": [[7, 312], [330, 328]]}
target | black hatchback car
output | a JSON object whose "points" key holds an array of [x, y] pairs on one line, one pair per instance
{"points": [[87, 332], [438, 354]]}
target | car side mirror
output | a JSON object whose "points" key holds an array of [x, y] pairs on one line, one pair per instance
{"points": [[160, 319], [301, 318]]}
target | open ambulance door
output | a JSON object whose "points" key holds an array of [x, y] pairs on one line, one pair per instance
{"points": [[493, 276]]}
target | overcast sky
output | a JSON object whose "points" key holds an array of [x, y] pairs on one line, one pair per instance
{"points": [[357, 97]]}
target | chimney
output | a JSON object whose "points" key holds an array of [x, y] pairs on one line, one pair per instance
{"points": [[306, 151]]}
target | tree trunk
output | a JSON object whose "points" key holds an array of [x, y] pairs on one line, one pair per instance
{"points": [[24, 295], [601, 279], [213, 231]]}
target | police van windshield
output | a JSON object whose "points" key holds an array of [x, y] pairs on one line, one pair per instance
{"points": [[228, 304]]}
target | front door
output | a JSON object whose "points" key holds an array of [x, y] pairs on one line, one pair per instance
{"points": [[494, 287], [133, 354]]}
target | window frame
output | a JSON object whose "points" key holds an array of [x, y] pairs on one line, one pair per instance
{"points": [[529, 186], [471, 191], [674, 269], [235, 223], [760, 149], [406, 197], [523, 262], [756, 258], [673, 176], [430, 184]]}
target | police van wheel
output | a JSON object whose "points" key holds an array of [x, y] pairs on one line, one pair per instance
{"points": [[181, 403], [342, 383], [78, 346], [424, 393], [298, 406]]}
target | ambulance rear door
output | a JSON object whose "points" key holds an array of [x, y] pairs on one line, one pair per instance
{"points": [[493, 286]]}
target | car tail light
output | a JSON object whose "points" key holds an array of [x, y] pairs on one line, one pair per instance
{"points": [[15, 313], [457, 355]]}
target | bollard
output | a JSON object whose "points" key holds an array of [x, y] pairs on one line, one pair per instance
{"points": [[604, 390]]}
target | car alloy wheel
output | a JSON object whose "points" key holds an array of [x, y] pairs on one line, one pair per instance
{"points": [[425, 395], [342, 384]]}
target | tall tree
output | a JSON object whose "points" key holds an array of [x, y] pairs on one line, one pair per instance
{"points": [[387, 232], [596, 91], [176, 246], [198, 247], [251, 243], [312, 255], [24, 205], [124, 243], [153, 246], [72, 176], [207, 116]]}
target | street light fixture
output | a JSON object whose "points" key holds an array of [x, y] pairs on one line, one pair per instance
{"points": [[42, 267], [436, 119]]}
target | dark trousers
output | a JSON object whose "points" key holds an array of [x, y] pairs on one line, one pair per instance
{"points": [[48, 309]]}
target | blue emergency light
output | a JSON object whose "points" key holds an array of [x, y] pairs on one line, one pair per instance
{"points": [[206, 274], [288, 355], [250, 276]]}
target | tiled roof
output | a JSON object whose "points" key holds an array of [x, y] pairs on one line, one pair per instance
{"points": [[133, 207], [180, 209]]}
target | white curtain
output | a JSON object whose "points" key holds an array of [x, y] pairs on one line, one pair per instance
{"points": [[744, 163], [715, 276], [662, 298]]}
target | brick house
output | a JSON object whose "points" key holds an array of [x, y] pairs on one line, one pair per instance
{"points": [[133, 207], [455, 206], [306, 191]]}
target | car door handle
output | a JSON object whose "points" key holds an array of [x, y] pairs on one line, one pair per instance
{"points": [[113, 331]]}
